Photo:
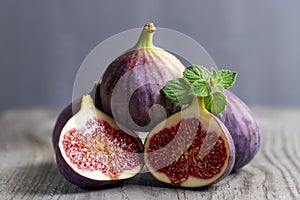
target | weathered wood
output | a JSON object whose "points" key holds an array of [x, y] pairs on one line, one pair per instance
{"points": [[28, 169]]}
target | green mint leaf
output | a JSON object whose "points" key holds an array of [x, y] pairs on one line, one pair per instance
{"points": [[227, 78], [178, 90], [198, 81], [215, 102], [201, 88], [216, 81], [196, 73], [214, 74]]}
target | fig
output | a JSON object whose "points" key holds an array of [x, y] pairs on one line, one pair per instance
{"points": [[131, 84], [191, 148], [243, 128], [91, 150]]}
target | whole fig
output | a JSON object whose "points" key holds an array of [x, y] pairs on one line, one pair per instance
{"points": [[132, 82], [243, 127]]}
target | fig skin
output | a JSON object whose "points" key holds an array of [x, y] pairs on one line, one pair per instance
{"points": [[66, 171], [140, 73], [243, 127], [211, 124]]}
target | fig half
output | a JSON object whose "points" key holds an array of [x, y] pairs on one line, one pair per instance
{"points": [[191, 148], [91, 150]]}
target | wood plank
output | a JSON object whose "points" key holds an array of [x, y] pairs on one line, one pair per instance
{"points": [[28, 169]]}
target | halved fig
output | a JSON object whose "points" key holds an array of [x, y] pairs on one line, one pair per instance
{"points": [[91, 150], [191, 148]]}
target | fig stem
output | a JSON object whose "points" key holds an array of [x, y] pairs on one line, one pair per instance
{"points": [[146, 37]]}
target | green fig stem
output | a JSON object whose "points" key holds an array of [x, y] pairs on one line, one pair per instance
{"points": [[146, 37]]}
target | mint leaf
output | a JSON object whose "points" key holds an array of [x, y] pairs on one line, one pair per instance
{"points": [[216, 81], [201, 88], [215, 102], [196, 73], [214, 74], [227, 78], [178, 90]]}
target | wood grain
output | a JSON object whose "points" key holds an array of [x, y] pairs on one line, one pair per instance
{"points": [[28, 169]]}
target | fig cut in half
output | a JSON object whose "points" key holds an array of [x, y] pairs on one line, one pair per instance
{"points": [[191, 148], [91, 150]]}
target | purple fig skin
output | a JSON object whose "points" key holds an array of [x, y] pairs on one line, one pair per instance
{"points": [[66, 171], [241, 123]]}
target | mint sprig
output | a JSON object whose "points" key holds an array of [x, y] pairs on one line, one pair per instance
{"points": [[198, 81]]}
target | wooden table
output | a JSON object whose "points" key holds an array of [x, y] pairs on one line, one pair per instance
{"points": [[28, 169]]}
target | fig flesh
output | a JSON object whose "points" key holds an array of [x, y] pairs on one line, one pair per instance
{"points": [[132, 82], [91, 150], [191, 148], [243, 127]]}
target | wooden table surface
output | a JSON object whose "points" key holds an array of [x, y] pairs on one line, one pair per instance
{"points": [[28, 169]]}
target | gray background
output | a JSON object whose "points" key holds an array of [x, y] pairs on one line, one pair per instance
{"points": [[42, 43]]}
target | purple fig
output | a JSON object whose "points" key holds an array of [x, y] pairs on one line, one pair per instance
{"points": [[132, 82], [243, 127]]}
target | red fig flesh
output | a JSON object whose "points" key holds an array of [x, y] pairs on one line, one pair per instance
{"points": [[191, 148]]}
